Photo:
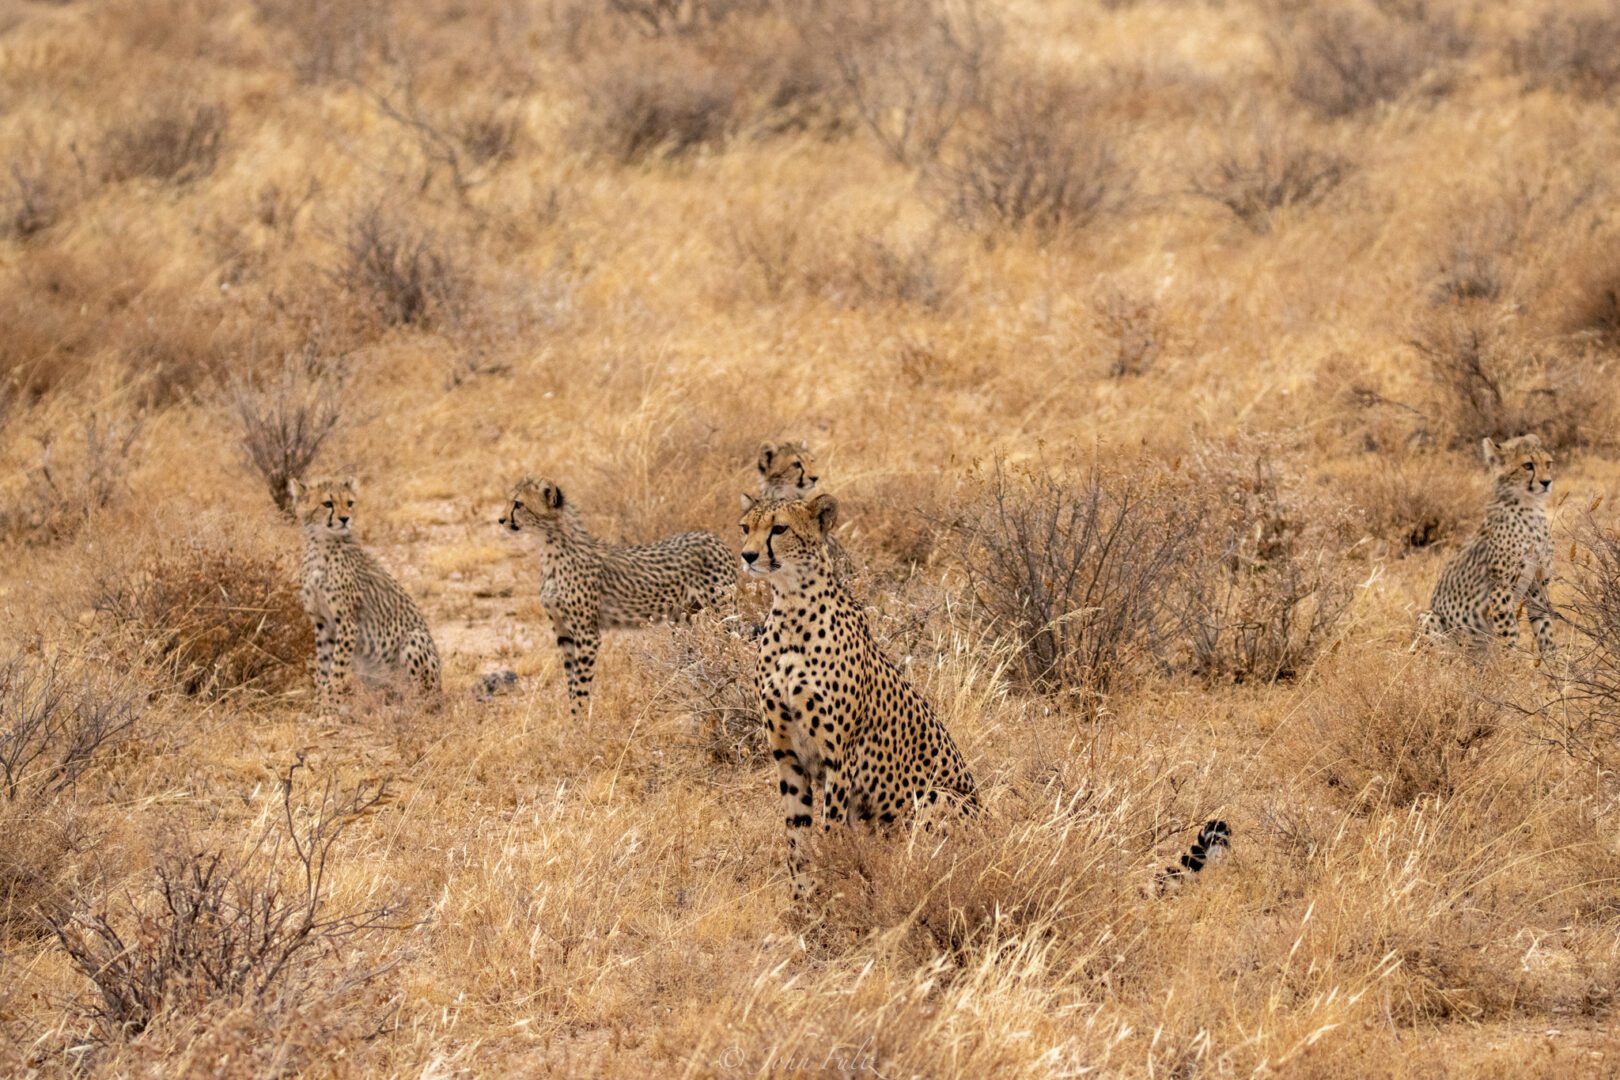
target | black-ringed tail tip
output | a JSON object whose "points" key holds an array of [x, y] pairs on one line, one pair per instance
{"points": [[1213, 843]]}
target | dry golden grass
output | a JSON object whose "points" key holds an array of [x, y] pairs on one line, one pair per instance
{"points": [[1283, 263]]}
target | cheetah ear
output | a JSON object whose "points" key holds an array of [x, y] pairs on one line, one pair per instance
{"points": [[747, 502], [824, 508], [352, 483], [1493, 453], [295, 488], [554, 496], [766, 453]]}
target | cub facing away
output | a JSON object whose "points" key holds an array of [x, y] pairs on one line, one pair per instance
{"points": [[840, 717], [361, 614], [588, 585]]}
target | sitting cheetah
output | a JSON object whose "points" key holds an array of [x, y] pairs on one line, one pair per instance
{"points": [[1508, 563], [588, 585], [840, 715], [358, 610], [787, 471]]}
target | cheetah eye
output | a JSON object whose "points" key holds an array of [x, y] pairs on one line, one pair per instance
{"points": [[516, 505], [778, 530], [745, 530], [327, 504], [1529, 466]]}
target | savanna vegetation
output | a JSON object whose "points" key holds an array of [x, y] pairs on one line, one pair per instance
{"points": [[1147, 346]]}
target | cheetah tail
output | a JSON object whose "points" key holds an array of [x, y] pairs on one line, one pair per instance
{"points": [[1213, 843]]}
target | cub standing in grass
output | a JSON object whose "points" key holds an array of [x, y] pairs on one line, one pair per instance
{"points": [[840, 716], [1507, 565], [588, 585], [358, 610]]}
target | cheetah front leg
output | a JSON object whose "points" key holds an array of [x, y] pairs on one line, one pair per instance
{"points": [[578, 637], [334, 655], [568, 645], [794, 786], [585, 668], [1540, 610], [1503, 615], [323, 661]]}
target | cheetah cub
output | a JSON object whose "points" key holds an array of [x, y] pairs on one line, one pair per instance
{"points": [[841, 717], [588, 585], [360, 613], [1508, 563], [787, 471]]}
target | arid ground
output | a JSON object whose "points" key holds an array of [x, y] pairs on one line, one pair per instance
{"points": [[1147, 346]]}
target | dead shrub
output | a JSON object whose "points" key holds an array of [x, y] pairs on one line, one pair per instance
{"points": [[712, 686], [1410, 497], [400, 274], [1591, 303], [213, 616], [1270, 587], [1133, 328], [38, 841], [229, 928], [1384, 730], [330, 40], [60, 719], [1345, 61], [487, 137], [1571, 50], [1270, 173], [794, 88], [662, 100], [31, 205], [670, 18], [883, 270], [174, 142], [74, 479], [1078, 567], [1582, 717], [56, 719], [771, 243], [911, 69], [1493, 380], [42, 183], [1033, 160], [285, 418], [1474, 269]]}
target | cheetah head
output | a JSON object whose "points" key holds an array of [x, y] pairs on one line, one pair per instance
{"points": [[787, 471], [324, 506], [1522, 465], [535, 503], [786, 535]]}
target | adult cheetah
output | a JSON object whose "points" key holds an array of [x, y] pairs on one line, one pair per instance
{"points": [[840, 716], [1508, 563], [360, 613], [588, 585]]}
